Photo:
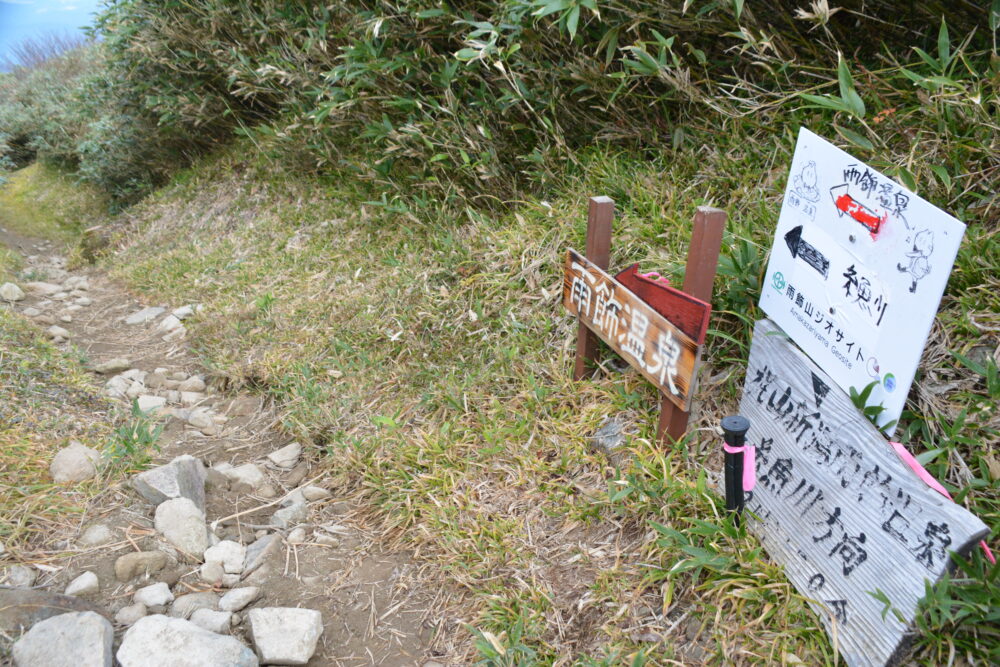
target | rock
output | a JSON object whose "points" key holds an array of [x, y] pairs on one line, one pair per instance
{"points": [[238, 598], [44, 320], [183, 525], [144, 316], [18, 576], [212, 573], [72, 308], [175, 335], [189, 398], [135, 390], [287, 456], [11, 292], [57, 332], [186, 605], [297, 536], [132, 565], [230, 580], [267, 491], [74, 639], [158, 641], [285, 635], [259, 551], [215, 480], [135, 375], [609, 439], [193, 383], [325, 539], [156, 380], [95, 535], [154, 595], [112, 366], [201, 419], [21, 608], [295, 476], [76, 282], [31, 312], [130, 614], [148, 403], [83, 301], [66, 319], [59, 296], [43, 289], [183, 312], [116, 387], [178, 376], [246, 478], [85, 584], [74, 463], [184, 477], [312, 493], [213, 621], [289, 516], [231, 555], [168, 323]]}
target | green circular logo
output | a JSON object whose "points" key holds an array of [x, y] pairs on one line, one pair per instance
{"points": [[778, 281]]}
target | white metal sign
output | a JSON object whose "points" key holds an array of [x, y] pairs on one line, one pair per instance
{"points": [[857, 270]]}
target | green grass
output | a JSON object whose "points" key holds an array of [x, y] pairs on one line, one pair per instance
{"points": [[45, 202], [422, 349], [46, 400]]}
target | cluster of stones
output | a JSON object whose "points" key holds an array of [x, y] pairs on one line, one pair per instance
{"points": [[163, 618]]}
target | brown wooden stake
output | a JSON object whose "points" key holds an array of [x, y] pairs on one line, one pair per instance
{"points": [[598, 251], [702, 262]]}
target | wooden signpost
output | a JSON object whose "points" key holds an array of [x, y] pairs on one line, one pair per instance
{"points": [[834, 505], [658, 348]]}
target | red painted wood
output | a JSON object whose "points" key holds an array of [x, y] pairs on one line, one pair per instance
{"points": [[684, 311]]}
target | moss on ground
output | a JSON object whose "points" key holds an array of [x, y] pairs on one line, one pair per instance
{"points": [[45, 202]]}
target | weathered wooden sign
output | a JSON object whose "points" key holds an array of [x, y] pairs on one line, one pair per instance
{"points": [[857, 270], [664, 354], [836, 507]]}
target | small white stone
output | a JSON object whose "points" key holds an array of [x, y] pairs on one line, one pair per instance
{"points": [[183, 312], [130, 614], [74, 463], [57, 332], [212, 573], [144, 316], [183, 525], [297, 536], [238, 598], [285, 635], [155, 595], [168, 323], [175, 335], [193, 383], [66, 318], [83, 301], [85, 584], [229, 554], [287, 456], [215, 621], [31, 312], [149, 403], [18, 576], [11, 292], [312, 493], [95, 535]]}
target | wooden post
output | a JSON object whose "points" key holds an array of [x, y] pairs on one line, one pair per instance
{"points": [[598, 251], [699, 275]]}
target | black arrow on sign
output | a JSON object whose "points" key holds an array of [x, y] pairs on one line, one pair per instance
{"points": [[808, 253]]}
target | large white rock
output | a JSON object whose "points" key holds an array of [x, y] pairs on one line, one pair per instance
{"points": [[85, 584], [285, 635], [11, 292], [287, 456], [111, 366], [184, 477], [183, 525], [161, 641], [74, 639], [231, 555], [238, 598], [154, 595], [144, 316], [148, 403], [74, 463]]}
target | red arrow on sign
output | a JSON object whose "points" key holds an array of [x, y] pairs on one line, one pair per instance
{"points": [[845, 203]]}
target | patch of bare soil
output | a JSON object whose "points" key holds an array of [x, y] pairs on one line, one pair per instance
{"points": [[374, 609]]}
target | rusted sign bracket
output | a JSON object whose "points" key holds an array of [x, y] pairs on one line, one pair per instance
{"points": [[702, 261]]}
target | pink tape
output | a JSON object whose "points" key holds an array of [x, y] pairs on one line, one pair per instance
{"points": [[655, 277], [922, 473], [749, 464]]}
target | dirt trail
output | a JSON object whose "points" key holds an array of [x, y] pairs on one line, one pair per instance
{"points": [[373, 610]]}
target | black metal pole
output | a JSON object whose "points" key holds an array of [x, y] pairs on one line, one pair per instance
{"points": [[735, 428]]}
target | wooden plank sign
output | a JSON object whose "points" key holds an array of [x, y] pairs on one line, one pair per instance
{"points": [[836, 507], [664, 354]]}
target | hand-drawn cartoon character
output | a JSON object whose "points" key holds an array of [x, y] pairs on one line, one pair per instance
{"points": [[804, 183], [923, 246]]}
